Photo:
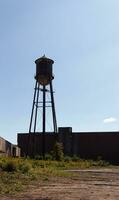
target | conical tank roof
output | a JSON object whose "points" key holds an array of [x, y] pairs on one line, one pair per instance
{"points": [[44, 58]]}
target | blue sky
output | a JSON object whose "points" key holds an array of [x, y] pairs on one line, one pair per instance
{"points": [[82, 37]]}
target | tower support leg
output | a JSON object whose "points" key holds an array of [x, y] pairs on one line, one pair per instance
{"points": [[53, 108], [35, 89], [44, 120], [36, 110]]}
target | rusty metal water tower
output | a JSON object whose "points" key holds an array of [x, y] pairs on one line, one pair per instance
{"points": [[43, 85]]}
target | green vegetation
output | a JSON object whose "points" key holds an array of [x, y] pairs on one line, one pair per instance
{"points": [[17, 173], [57, 153]]}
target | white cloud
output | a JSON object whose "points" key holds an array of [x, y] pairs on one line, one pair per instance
{"points": [[109, 120]]}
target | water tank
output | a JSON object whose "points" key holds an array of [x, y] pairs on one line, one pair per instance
{"points": [[44, 70]]}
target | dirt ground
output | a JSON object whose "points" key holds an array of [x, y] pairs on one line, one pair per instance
{"points": [[94, 184]]}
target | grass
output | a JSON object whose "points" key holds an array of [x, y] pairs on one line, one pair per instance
{"points": [[17, 173]]}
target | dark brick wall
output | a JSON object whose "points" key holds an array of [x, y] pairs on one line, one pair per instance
{"points": [[92, 145], [86, 145], [31, 144]]}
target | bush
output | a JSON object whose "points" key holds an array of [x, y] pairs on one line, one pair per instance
{"points": [[9, 166], [25, 167], [35, 163], [67, 159], [102, 163], [38, 157], [57, 152], [48, 157], [75, 158], [1, 165]]}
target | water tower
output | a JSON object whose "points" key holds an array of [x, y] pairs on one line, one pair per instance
{"points": [[43, 85]]}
